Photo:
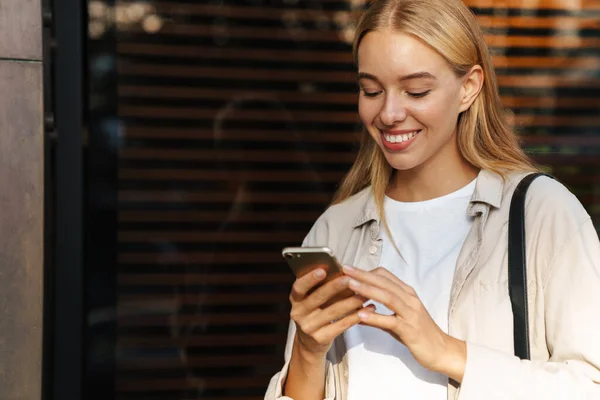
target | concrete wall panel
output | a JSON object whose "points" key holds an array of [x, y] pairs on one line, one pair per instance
{"points": [[21, 229], [21, 29]]}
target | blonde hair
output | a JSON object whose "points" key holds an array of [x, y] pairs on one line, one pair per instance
{"points": [[485, 137]]}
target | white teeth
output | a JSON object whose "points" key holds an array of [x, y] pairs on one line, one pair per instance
{"points": [[399, 138]]}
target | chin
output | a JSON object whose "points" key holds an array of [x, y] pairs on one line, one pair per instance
{"points": [[401, 162]]}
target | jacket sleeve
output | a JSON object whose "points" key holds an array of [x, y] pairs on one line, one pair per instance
{"points": [[572, 317], [316, 237], [275, 389]]}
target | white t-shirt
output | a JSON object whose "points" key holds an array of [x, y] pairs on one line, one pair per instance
{"points": [[429, 235]]}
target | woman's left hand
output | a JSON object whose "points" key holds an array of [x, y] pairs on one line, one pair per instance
{"points": [[411, 324]]}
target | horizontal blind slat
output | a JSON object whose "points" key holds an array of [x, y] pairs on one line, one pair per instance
{"points": [[196, 216], [199, 340], [127, 301]]}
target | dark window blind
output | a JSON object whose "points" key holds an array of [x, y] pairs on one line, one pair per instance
{"points": [[238, 119]]}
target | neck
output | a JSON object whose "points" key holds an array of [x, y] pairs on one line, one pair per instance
{"points": [[432, 179]]}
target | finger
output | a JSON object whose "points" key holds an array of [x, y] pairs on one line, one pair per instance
{"points": [[374, 278], [305, 283], [395, 303], [381, 271], [341, 308], [321, 295], [333, 330], [406, 292], [310, 308], [334, 313], [385, 322], [380, 277]]}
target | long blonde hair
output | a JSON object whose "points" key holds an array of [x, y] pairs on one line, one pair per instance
{"points": [[486, 139]]}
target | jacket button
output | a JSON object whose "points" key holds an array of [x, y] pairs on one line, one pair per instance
{"points": [[373, 250]]}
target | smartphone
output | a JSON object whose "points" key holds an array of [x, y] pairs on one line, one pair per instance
{"points": [[303, 260]]}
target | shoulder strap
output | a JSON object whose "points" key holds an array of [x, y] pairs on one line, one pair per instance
{"points": [[517, 271]]}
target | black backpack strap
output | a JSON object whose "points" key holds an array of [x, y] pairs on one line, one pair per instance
{"points": [[517, 271]]}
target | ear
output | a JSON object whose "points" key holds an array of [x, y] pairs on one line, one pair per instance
{"points": [[471, 86]]}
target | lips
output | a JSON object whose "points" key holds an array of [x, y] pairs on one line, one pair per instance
{"points": [[399, 140]]}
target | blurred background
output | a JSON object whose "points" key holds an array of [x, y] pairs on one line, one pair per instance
{"points": [[187, 142]]}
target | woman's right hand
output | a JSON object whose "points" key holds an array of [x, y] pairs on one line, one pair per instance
{"points": [[318, 321]]}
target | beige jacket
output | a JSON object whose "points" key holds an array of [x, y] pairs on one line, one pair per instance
{"points": [[563, 257]]}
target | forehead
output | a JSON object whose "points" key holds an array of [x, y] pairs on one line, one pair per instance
{"points": [[384, 53]]}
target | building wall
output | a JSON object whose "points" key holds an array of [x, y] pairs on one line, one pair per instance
{"points": [[21, 199]]}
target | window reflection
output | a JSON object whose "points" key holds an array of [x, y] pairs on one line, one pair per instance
{"points": [[235, 122]]}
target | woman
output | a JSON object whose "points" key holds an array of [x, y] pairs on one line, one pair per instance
{"points": [[422, 217]]}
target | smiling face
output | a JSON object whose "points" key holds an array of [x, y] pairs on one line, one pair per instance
{"points": [[410, 100]]}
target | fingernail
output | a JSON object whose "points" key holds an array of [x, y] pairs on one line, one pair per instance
{"points": [[319, 273], [363, 315], [347, 268], [353, 284]]}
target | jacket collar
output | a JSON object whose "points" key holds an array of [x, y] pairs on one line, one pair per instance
{"points": [[488, 191], [369, 211]]}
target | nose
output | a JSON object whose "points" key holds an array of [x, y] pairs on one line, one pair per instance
{"points": [[393, 110]]}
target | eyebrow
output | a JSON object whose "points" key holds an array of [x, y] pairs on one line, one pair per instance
{"points": [[416, 75]]}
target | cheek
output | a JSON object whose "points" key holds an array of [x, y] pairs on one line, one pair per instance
{"points": [[436, 112], [368, 111]]}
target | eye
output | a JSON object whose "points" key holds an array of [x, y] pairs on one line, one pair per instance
{"points": [[371, 93], [418, 95]]}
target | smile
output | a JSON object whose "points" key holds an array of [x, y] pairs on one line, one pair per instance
{"points": [[400, 138], [399, 141]]}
